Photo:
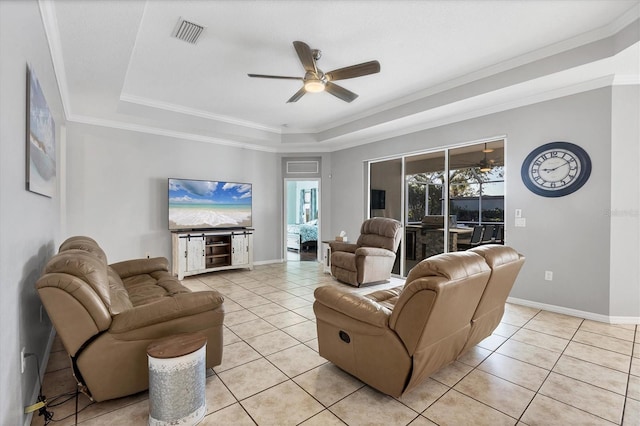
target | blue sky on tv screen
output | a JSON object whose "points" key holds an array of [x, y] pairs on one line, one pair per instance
{"points": [[183, 191]]}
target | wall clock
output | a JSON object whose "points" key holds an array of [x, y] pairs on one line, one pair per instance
{"points": [[556, 169]]}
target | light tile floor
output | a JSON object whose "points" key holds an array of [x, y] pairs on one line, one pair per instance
{"points": [[538, 368]]}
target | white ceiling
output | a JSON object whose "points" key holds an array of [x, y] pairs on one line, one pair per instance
{"points": [[118, 65]]}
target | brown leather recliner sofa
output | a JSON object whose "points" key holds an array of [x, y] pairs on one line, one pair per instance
{"points": [[394, 339], [371, 258], [107, 315]]}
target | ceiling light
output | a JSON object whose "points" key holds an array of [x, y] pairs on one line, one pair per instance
{"points": [[487, 149], [313, 86], [485, 169]]}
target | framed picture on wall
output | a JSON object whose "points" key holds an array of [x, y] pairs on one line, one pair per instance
{"points": [[41, 140]]}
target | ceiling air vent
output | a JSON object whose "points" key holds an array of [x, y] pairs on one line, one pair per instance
{"points": [[187, 31]]}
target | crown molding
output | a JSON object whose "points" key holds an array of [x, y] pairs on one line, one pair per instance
{"points": [[626, 80], [152, 103], [121, 125]]}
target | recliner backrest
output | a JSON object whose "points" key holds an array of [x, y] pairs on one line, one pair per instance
{"points": [[442, 287], [505, 264], [84, 265], [75, 291], [380, 232], [83, 243], [433, 313]]}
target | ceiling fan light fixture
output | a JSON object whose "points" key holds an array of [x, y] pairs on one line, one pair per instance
{"points": [[485, 169], [313, 86], [486, 149]]}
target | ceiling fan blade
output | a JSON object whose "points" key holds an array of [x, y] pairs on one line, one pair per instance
{"points": [[306, 57], [358, 70], [297, 95], [275, 76], [340, 92]]}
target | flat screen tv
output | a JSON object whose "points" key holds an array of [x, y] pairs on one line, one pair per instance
{"points": [[208, 204]]}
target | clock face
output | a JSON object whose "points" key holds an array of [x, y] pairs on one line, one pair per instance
{"points": [[556, 169]]}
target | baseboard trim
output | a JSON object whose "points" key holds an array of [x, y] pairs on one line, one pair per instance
{"points": [[575, 312], [268, 262]]}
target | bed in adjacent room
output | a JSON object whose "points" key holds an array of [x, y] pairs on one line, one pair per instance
{"points": [[302, 236]]}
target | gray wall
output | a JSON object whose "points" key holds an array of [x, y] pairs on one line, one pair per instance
{"points": [[625, 202], [568, 235], [117, 188], [29, 223]]}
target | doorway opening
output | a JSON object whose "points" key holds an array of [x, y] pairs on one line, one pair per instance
{"points": [[302, 221]]}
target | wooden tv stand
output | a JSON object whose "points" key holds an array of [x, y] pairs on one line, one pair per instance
{"points": [[199, 252]]}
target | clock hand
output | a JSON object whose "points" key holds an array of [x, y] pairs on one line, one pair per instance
{"points": [[555, 168]]}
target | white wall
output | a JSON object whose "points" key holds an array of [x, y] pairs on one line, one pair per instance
{"points": [[117, 188], [29, 223], [568, 235]]}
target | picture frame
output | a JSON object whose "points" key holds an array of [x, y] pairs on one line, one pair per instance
{"points": [[40, 140]]}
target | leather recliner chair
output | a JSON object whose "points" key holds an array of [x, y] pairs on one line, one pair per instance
{"points": [[372, 257], [394, 339], [107, 315]]}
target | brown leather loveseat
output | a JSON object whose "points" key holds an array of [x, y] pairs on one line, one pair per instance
{"points": [[107, 315], [394, 339]]}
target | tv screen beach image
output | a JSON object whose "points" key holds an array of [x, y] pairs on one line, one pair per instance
{"points": [[198, 204]]}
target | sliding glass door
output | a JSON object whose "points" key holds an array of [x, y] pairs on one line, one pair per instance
{"points": [[440, 196], [424, 223], [386, 195]]}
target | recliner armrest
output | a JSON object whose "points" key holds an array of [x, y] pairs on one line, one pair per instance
{"points": [[374, 251], [129, 268], [353, 305], [166, 309], [340, 246]]}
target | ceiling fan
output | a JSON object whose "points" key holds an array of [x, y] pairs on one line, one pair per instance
{"points": [[485, 163], [315, 80]]}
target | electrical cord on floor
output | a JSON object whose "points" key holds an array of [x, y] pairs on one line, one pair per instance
{"points": [[41, 405]]}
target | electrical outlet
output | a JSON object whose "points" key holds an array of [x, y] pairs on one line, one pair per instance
{"points": [[147, 255], [548, 275], [518, 213], [22, 359], [520, 222]]}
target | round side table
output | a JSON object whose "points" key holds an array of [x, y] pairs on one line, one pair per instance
{"points": [[177, 380]]}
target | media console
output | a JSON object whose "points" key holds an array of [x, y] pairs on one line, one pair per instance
{"points": [[199, 252]]}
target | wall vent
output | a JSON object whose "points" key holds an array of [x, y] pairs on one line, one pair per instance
{"points": [[187, 31], [303, 167]]}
